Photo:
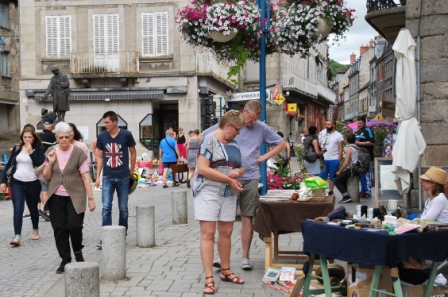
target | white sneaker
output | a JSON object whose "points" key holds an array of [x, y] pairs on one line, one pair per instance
{"points": [[217, 263], [246, 264]]}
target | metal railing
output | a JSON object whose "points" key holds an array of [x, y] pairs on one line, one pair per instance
{"points": [[91, 63], [373, 5]]}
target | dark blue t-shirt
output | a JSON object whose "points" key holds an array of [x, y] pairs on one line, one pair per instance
{"points": [[115, 152]]}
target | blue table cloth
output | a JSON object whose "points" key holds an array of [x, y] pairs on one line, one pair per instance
{"points": [[372, 248]]}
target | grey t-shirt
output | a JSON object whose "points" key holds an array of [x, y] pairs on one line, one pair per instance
{"points": [[250, 140]]}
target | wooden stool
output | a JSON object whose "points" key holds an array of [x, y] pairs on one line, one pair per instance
{"points": [[178, 172]]}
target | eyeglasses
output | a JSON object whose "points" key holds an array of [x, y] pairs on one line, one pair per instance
{"points": [[236, 129], [252, 119], [63, 137]]}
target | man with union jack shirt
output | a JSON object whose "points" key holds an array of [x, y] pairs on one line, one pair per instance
{"points": [[114, 147]]}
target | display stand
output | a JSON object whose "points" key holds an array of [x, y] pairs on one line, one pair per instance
{"points": [[385, 187]]}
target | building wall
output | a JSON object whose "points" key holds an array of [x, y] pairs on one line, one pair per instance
{"points": [[179, 68], [9, 83]]}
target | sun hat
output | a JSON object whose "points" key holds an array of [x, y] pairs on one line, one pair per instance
{"points": [[435, 174]]}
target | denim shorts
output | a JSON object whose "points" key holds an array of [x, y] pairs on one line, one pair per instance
{"points": [[331, 166]]}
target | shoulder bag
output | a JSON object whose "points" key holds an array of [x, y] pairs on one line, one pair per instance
{"points": [[177, 156], [12, 167]]}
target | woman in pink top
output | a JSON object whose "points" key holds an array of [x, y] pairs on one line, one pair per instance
{"points": [[67, 170]]}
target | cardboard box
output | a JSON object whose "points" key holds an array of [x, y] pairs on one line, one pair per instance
{"points": [[419, 290], [359, 279]]}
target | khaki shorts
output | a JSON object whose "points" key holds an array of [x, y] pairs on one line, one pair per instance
{"points": [[248, 199], [209, 206]]}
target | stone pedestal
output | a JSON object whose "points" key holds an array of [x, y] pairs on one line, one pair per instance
{"points": [[114, 253], [82, 279], [179, 207], [145, 226], [353, 188]]}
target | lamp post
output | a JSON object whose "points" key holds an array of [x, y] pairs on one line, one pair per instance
{"points": [[264, 32]]}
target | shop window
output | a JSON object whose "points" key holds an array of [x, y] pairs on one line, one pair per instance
{"points": [[149, 130], [100, 125]]}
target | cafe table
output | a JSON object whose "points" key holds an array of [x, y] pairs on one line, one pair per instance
{"points": [[276, 216], [370, 248]]}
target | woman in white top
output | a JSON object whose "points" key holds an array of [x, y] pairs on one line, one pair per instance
{"points": [[436, 207], [25, 187]]}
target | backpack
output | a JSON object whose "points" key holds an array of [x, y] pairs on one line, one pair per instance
{"points": [[309, 154], [362, 166]]}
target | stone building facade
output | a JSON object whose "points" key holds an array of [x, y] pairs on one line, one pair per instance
{"points": [[9, 67]]}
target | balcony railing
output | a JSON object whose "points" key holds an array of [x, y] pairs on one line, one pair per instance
{"points": [[91, 63], [326, 92], [373, 5], [300, 84], [207, 64]]}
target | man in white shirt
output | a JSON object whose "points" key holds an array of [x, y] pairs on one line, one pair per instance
{"points": [[331, 143]]}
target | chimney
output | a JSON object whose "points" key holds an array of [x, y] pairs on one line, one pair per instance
{"points": [[363, 49], [352, 58], [371, 42]]}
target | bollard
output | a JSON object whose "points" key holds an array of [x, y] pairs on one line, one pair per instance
{"points": [[114, 253], [82, 279], [179, 207], [353, 188], [145, 225]]}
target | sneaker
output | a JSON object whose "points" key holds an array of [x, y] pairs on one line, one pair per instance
{"points": [[44, 215], [246, 264], [26, 216], [346, 199], [217, 263], [99, 245]]}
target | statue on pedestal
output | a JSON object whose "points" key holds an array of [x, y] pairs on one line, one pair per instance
{"points": [[59, 88]]}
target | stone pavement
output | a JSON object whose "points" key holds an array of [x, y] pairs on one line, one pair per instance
{"points": [[172, 268]]}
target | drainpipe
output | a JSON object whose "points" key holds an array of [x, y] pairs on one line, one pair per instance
{"points": [[418, 102]]}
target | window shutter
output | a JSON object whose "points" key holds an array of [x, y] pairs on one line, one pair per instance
{"points": [[52, 36], [148, 38], [65, 33], [112, 34], [4, 21], [162, 33], [98, 34]]}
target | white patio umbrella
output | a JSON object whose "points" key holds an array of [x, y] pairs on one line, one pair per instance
{"points": [[410, 144]]}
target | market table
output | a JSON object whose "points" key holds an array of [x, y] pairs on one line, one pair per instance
{"points": [[284, 216], [371, 248]]}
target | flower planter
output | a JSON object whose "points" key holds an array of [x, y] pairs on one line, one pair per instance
{"points": [[220, 37], [323, 28]]}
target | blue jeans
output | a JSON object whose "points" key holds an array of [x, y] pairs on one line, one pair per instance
{"points": [[22, 192], [110, 184]]}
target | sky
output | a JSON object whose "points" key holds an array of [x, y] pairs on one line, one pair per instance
{"points": [[359, 33]]}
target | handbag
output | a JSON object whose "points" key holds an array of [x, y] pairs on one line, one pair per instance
{"points": [[39, 171], [12, 167]]}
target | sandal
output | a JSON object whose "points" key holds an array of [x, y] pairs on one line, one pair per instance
{"points": [[175, 184], [165, 186], [35, 236], [230, 277], [16, 242], [210, 286]]}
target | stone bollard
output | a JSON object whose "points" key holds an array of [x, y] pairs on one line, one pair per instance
{"points": [[82, 279], [179, 207], [145, 225], [353, 188], [114, 253]]}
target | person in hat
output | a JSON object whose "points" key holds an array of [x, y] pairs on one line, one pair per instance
{"points": [[59, 88], [436, 207]]}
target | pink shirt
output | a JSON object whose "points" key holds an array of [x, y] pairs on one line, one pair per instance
{"points": [[63, 157]]}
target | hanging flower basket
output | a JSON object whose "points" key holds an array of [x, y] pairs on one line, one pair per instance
{"points": [[220, 37], [324, 28]]}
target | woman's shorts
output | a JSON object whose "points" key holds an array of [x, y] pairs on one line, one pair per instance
{"points": [[209, 206]]}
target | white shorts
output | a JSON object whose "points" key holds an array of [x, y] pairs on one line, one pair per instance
{"points": [[209, 206]]}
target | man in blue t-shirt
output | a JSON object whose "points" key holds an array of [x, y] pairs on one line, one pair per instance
{"points": [[365, 138], [114, 146], [168, 153]]}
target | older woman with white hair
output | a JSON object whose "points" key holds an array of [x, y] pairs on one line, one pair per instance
{"points": [[67, 170]]}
